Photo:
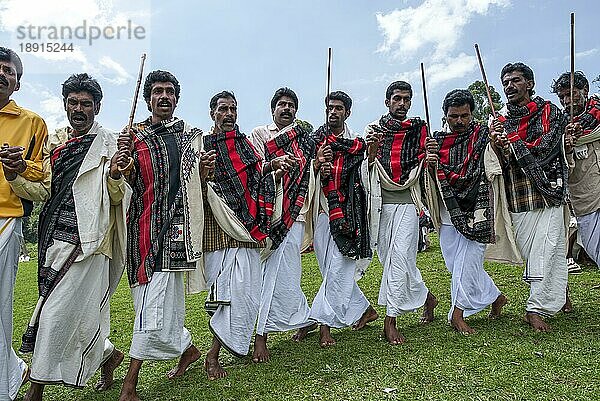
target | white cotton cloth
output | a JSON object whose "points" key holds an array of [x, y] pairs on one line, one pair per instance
{"points": [[74, 323], [234, 277], [339, 302], [12, 368], [402, 288], [472, 289], [589, 234], [283, 305], [158, 331], [541, 237]]}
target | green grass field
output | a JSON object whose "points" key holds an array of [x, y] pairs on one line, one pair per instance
{"points": [[504, 360]]}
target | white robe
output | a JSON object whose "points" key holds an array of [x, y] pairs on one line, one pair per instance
{"points": [[402, 288], [589, 234], [339, 302], [234, 277], [12, 368], [283, 305], [71, 342], [541, 237], [472, 289], [158, 331], [74, 321]]}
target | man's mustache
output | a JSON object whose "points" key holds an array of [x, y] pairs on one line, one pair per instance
{"points": [[4, 80]]}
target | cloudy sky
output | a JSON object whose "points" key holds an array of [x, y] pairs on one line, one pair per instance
{"points": [[255, 47]]}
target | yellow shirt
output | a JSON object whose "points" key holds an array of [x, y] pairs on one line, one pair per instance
{"points": [[21, 127]]}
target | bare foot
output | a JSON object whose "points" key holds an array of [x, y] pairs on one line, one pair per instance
{"points": [[325, 338], [214, 370], [128, 394], [190, 356], [536, 322], [107, 371], [497, 306], [430, 304], [303, 332], [261, 352], [369, 316], [391, 333], [34, 393], [459, 324]]}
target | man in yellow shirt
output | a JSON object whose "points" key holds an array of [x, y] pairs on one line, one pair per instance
{"points": [[22, 136]]}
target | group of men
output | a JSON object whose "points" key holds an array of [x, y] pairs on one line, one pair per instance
{"points": [[185, 211]]}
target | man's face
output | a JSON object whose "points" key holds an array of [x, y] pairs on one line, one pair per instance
{"points": [[225, 114], [579, 99], [162, 100], [459, 118], [8, 79], [81, 110], [284, 112], [516, 88], [399, 103], [337, 113]]}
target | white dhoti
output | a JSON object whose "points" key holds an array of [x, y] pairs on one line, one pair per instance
{"points": [[283, 305], [12, 368], [74, 321], [159, 333], [402, 288], [589, 233], [339, 302], [234, 276], [540, 236], [472, 289]]}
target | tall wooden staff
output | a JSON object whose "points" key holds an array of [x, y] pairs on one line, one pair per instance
{"points": [[328, 91], [127, 133], [425, 101], [485, 82], [572, 83]]}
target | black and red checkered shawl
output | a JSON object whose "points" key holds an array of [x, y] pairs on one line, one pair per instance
{"points": [[346, 195], [159, 161], [464, 187], [402, 146], [58, 222], [296, 142], [590, 118], [239, 182], [535, 132]]}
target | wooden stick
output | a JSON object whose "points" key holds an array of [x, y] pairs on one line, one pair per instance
{"points": [[328, 90], [425, 101], [572, 64], [485, 81], [132, 113]]}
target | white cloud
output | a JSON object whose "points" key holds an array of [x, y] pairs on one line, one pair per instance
{"points": [[436, 73], [120, 76], [73, 14], [431, 33], [586, 53], [435, 22]]}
